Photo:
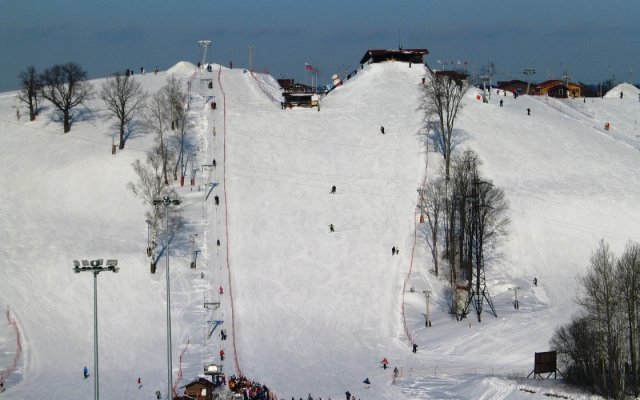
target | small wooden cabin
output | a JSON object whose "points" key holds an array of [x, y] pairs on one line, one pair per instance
{"points": [[557, 88], [200, 389]]}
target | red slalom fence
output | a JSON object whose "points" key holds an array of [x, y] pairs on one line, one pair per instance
{"points": [[226, 226], [178, 377], [413, 250]]}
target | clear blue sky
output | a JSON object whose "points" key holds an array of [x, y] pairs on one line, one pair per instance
{"points": [[592, 39]]}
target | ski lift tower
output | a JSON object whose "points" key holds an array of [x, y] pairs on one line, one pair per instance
{"points": [[205, 45], [478, 291], [251, 48], [485, 79], [529, 72]]}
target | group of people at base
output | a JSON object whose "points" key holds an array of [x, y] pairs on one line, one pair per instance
{"points": [[250, 390]]}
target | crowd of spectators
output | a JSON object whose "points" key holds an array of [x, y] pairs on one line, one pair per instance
{"points": [[250, 390]]}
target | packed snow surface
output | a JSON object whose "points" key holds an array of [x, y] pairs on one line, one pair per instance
{"points": [[307, 311]]}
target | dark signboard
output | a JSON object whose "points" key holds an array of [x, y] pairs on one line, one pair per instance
{"points": [[545, 362]]}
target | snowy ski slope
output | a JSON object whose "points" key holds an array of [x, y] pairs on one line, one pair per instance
{"points": [[307, 311]]}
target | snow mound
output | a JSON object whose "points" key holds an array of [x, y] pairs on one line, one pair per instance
{"points": [[182, 68], [626, 88]]}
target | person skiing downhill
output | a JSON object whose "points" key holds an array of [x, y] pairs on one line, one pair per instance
{"points": [[221, 355], [85, 372], [333, 189], [331, 229], [382, 130]]}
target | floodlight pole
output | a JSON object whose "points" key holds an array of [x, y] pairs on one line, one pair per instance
{"points": [[166, 201], [95, 266]]}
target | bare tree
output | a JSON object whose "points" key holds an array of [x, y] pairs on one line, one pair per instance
{"points": [[442, 98], [184, 123], [471, 201], [597, 346], [29, 86], [124, 98], [576, 344], [150, 183], [149, 187], [66, 88], [600, 299], [432, 204], [628, 278], [157, 119], [175, 103]]}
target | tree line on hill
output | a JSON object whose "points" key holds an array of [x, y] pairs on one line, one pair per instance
{"points": [[599, 347], [466, 214], [65, 86]]}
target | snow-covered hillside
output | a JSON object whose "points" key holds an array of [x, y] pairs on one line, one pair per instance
{"points": [[306, 310]]}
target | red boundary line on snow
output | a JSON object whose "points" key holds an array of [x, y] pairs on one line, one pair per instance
{"points": [[226, 218], [178, 378], [13, 367], [413, 250]]}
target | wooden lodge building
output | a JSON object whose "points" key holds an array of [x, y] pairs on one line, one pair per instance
{"points": [[200, 389], [559, 89], [552, 88], [415, 56]]}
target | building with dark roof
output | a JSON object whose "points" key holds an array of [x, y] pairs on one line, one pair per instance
{"points": [[405, 55], [560, 89], [517, 86]]}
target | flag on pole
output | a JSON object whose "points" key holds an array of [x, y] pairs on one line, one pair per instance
{"points": [[308, 67]]}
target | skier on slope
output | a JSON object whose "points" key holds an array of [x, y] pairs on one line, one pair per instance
{"points": [[221, 355], [85, 372]]}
